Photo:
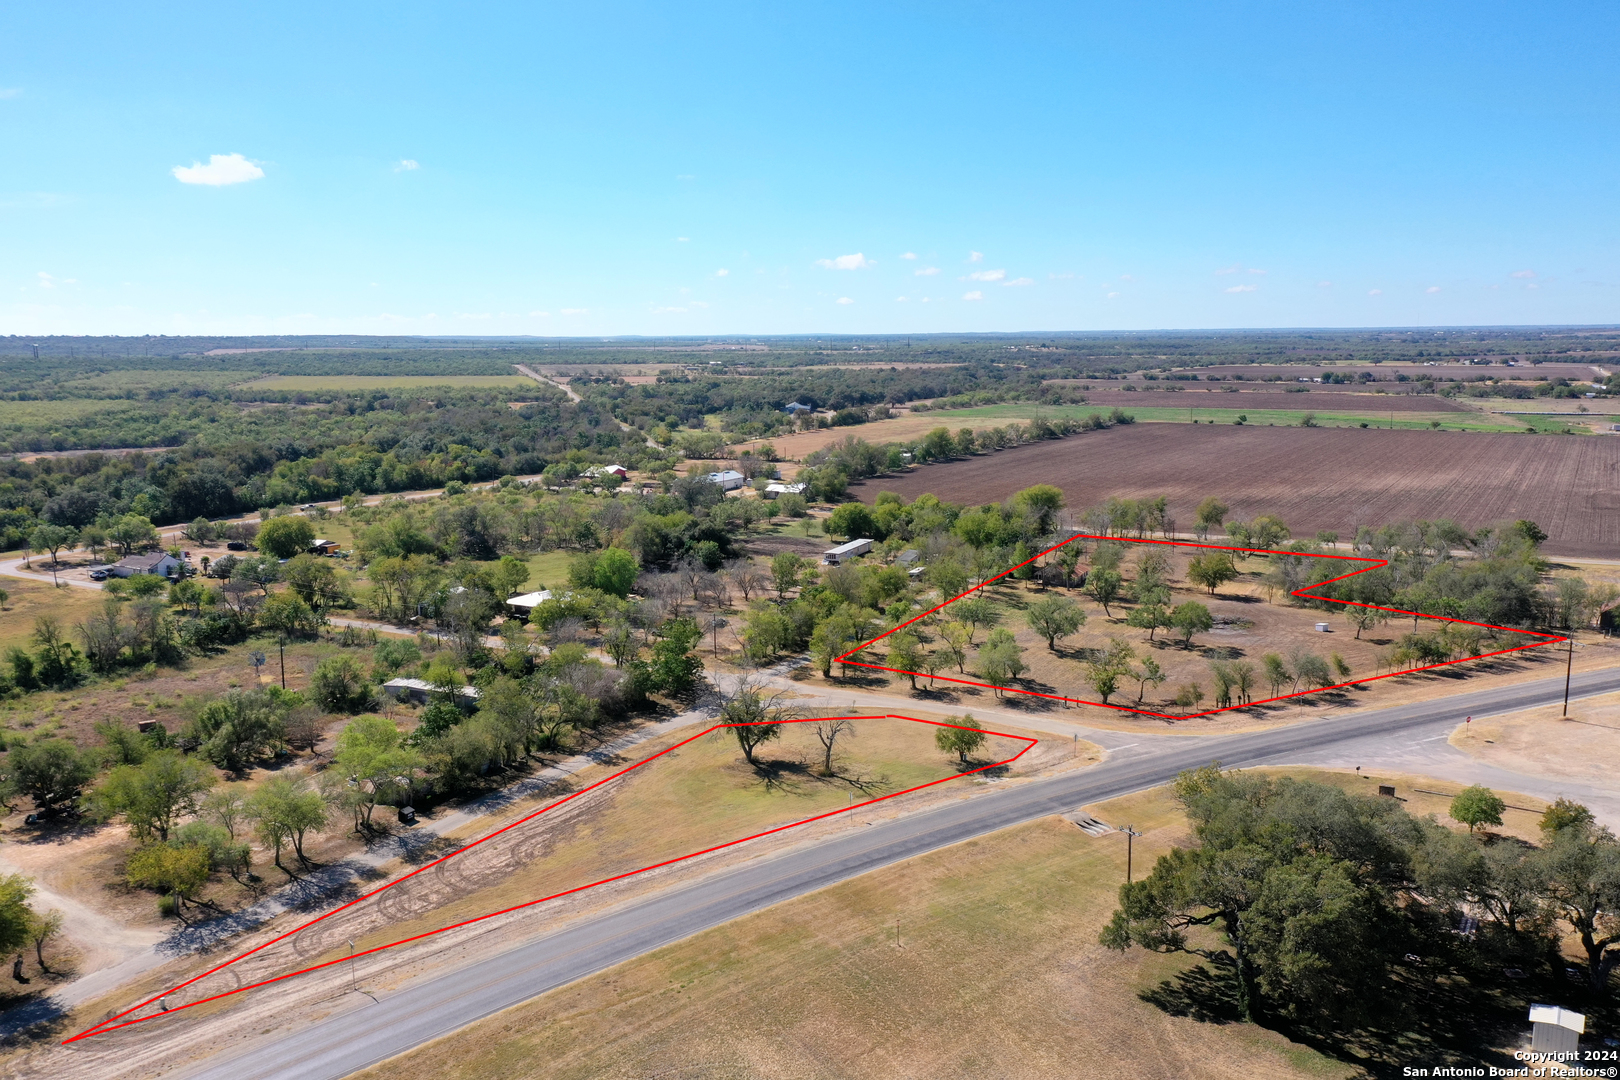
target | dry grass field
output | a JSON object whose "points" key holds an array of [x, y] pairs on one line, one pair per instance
{"points": [[1247, 627], [388, 382], [1542, 742], [995, 971], [1314, 479], [1335, 399]]}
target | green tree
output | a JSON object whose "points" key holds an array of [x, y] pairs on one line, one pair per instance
{"points": [[286, 536], [1054, 617], [287, 615], [1211, 514], [132, 533], [1582, 867], [53, 538], [15, 914], [286, 809], [1191, 618], [1277, 673], [370, 756], [754, 717], [313, 580], [177, 871], [51, 772], [1211, 571], [905, 653], [1565, 814], [853, 521], [961, 738], [1041, 504], [1149, 673], [1001, 659], [957, 636], [1104, 586], [339, 685], [786, 569], [1476, 805], [234, 731], [151, 795], [616, 571], [1104, 673], [1149, 617], [674, 669]]}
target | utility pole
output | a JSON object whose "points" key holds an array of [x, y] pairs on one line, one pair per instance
{"points": [[1130, 837], [282, 644], [1569, 666], [353, 985]]}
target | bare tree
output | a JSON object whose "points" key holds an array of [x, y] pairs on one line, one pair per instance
{"points": [[828, 731], [748, 578], [754, 716]]}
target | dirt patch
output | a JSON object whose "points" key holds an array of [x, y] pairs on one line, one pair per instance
{"points": [[1313, 478], [1541, 742]]}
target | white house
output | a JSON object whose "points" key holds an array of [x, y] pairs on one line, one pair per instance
{"points": [[730, 480], [525, 604], [773, 490], [418, 691], [158, 562]]}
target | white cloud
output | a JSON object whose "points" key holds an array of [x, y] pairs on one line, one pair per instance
{"points": [[221, 169], [987, 275], [1112, 295], [1432, 289], [469, 315], [1324, 284], [1252, 270], [1523, 273], [1375, 292], [1018, 282], [11, 93], [975, 256], [682, 239], [845, 300], [1532, 285], [722, 272], [900, 299], [974, 295], [1234, 268], [1242, 288], [1126, 277], [909, 255], [50, 281], [928, 271], [662, 310], [539, 314], [406, 165], [927, 299], [856, 261], [573, 311]]}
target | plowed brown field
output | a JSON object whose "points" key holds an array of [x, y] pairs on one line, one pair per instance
{"points": [[1314, 478]]}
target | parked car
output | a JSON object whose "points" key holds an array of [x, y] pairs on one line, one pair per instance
{"points": [[98, 575], [236, 545]]}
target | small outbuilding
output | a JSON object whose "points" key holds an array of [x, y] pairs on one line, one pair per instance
{"points": [[773, 490], [325, 547], [157, 562], [794, 408]]}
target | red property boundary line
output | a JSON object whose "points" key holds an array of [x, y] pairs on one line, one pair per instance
{"points": [[1547, 639], [111, 1024]]}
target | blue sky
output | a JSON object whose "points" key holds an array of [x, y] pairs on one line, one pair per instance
{"points": [[635, 168]]}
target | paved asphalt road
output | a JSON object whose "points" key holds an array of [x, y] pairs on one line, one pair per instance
{"points": [[352, 1040]]}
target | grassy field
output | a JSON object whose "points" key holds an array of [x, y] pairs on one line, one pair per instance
{"points": [[142, 381], [979, 960], [386, 382], [1341, 417], [29, 600], [34, 413]]}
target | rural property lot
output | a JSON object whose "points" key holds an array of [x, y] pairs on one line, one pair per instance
{"points": [[1313, 478], [1269, 398]]}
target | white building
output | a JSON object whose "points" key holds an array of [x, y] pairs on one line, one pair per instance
{"points": [[773, 490], [833, 556], [730, 480], [158, 562]]}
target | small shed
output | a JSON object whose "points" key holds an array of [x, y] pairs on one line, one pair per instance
{"points": [[908, 556], [157, 562], [324, 547], [794, 408]]}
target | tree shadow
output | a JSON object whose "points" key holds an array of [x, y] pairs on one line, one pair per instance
{"points": [[1206, 992]]}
